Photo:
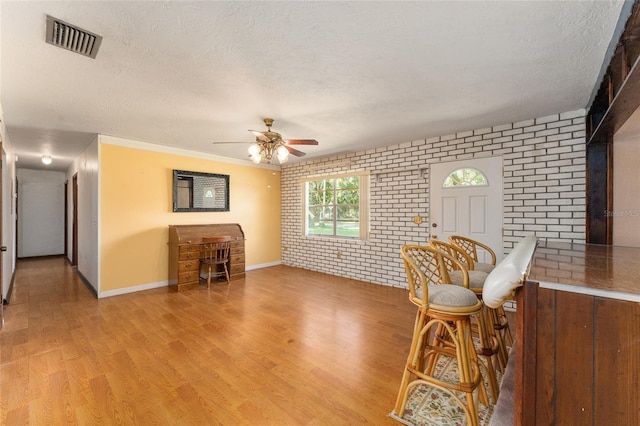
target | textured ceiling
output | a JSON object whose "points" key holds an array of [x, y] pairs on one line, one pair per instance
{"points": [[353, 75]]}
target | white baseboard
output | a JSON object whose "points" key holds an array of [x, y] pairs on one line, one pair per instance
{"points": [[263, 265], [159, 284], [133, 289]]}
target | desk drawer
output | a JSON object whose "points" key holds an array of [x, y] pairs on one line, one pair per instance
{"points": [[186, 277], [236, 258], [188, 252], [237, 268], [189, 265]]}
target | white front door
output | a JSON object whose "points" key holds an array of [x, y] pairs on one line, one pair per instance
{"points": [[469, 204]]}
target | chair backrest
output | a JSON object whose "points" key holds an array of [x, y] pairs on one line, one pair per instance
{"points": [[455, 252], [510, 274], [216, 249], [426, 266], [470, 247]]}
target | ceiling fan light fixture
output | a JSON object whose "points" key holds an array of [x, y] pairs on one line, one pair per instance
{"points": [[269, 144], [254, 150], [282, 153], [283, 160]]}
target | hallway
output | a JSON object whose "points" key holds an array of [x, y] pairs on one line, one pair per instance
{"points": [[282, 346]]}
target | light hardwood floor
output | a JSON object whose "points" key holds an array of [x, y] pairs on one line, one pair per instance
{"points": [[284, 346]]}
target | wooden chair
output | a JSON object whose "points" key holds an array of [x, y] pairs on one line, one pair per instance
{"points": [[471, 247], [491, 346], [215, 252], [442, 328]]}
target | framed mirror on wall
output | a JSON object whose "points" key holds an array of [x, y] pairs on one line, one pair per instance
{"points": [[200, 192]]}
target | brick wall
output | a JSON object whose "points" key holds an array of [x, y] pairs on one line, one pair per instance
{"points": [[543, 193]]}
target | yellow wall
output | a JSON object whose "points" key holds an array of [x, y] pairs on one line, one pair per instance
{"points": [[136, 209]]}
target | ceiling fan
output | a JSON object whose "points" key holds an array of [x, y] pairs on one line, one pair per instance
{"points": [[270, 143]]}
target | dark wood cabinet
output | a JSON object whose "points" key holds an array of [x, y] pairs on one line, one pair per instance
{"points": [[578, 337], [185, 243]]}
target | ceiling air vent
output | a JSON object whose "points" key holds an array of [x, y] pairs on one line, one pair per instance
{"points": [[72, 38]]}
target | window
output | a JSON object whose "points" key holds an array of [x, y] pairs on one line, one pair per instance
{"points": [[337, 206], [465, 177]]}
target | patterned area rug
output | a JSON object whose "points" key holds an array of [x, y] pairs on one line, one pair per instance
{"points": [[427, 405]]}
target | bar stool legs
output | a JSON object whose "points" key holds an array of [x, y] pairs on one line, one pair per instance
{"points": [[489, 350], [503, 334], [444, 336]]}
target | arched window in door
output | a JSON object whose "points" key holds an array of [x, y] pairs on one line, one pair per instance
{"points": [[465, 177]]}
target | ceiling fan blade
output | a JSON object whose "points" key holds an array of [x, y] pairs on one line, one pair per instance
{"points": [[295, 152], [301, 141], [259, 135]]}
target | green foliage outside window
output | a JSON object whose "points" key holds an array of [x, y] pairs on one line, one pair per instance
{"points": [[333, 207]]}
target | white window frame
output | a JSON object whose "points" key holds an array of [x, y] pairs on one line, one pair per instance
{"points": [[364, 184]]}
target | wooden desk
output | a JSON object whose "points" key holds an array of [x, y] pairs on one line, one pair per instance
{"points": [[185, 243], [578, 337]]}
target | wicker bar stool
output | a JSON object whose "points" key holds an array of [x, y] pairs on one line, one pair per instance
{"points": [[442, 328], [471, 247], [499, 318], [491, 348]]}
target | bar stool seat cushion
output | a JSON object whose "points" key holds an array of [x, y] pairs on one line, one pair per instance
{"points": [[484, 267], [476, 278], [444, 295]]}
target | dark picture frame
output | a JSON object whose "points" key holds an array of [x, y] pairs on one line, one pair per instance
{"points": [[200, 191]]}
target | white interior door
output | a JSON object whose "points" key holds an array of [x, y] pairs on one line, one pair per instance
{"points": [[469, 203]]}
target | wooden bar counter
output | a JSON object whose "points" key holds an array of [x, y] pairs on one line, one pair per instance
{"points": [[578, 337]]}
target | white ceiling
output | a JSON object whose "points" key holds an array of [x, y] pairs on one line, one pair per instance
{"points": [[353, 75]]}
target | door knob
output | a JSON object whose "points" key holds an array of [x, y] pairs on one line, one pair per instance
{"points": [[434, 236], [434, 225], [3, 248]]}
